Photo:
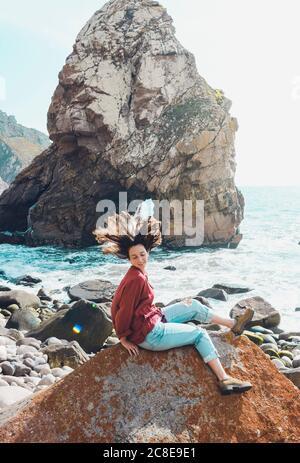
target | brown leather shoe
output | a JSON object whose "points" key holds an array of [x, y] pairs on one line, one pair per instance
{"points": [[242, 321], [232, 385]]}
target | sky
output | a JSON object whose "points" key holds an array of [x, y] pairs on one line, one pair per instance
{"points": [[249, 49]]}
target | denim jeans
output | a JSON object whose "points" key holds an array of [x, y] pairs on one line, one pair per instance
{"points": [[176, 332]]}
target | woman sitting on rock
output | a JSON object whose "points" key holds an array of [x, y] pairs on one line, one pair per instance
{"points": [[138, 322]]}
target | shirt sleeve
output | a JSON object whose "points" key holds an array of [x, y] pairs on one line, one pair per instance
{"points": [[129, 300]]}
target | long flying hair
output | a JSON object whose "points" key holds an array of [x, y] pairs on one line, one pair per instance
{"points": [[124, 231]]}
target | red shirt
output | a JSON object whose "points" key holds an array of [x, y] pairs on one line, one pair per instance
{"points": [[133, 313]]}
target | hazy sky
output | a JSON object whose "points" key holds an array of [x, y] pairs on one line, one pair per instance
{"points": [[249, 49]]}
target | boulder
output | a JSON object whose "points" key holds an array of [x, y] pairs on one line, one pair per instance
{"points": [[24, 319], [93, 290], [71, 355], [214, 293], [264, 314], [232, 288], [86, 322], [22, 298], [130, 114], [165, 397]]}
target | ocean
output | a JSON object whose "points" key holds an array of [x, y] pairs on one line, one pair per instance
{"points": [[267, 260]]}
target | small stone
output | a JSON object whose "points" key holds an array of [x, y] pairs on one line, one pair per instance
{"points": [[296, 361], [25, 349], [58, 372], [3, 383], [7, 368], [34, 374], [29, 363], [278, 363], [12, 308], [47, 380], [46, 370], [286, 353], [287, 361], [21, 370], [6, 341]]}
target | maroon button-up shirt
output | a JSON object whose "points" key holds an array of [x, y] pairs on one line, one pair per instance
{"points": [[133, 313]]}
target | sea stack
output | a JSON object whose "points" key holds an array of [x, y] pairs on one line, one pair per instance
{"points": [[130, 114]]}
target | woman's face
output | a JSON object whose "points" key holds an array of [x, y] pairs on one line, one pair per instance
{"points": [[138, 256]]}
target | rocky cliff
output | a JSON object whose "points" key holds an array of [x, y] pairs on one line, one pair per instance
{"points": [[18, 146], [169, 396], [130, 113]]}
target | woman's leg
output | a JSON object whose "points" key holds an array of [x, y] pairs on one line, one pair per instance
{"points": [[181, 312]]}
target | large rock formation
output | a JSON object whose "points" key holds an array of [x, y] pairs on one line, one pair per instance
{"points": [[18, 147], [130, 113], [161, 397]]}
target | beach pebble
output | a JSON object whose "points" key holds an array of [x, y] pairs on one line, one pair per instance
{"points": [[278, 363], [32, 380], [3, 354], [7, 368], [29, 342], [6, 341], [25, 349], [21, 370], [12, 379], [29, 363], [3, 383], [58, 372], [52, 341], [47, 380], [40, 361], [12, 394], [287, 361], [67, 368], [296, 361], [34, 374], [40, 388]]}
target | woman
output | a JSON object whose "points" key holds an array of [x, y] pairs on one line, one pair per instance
{"points": [[138, 322]]}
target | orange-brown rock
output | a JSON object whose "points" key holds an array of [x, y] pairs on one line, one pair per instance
{"points": [[162, 397]]}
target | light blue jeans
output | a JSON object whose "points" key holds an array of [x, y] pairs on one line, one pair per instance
{"points": [[176, 332]]}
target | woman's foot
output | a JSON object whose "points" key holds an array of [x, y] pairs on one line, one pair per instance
{"points": [[232, 385], [242, 321]]}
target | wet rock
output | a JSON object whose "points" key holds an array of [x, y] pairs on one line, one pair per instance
{"points": [[232, 288], [27, 280], [24, 319], [43, 295], [287, 334], [71, 355], [264, 314], [93, 290], [22, 298], [293, 374], [170, 267], [85, 322], [214, 293], [4, 288]]}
